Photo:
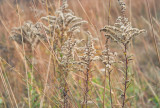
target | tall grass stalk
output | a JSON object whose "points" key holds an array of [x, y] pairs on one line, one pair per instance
{"points": [[5, 86], [107, 70], [25, 62], [153, 34]]}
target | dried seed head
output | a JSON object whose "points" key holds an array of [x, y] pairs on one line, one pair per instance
{"points": [[63, 21], [88, 52], [122, 31], [123, 7], [64, 4], [108, 58], [67, 52], [29, 33]]}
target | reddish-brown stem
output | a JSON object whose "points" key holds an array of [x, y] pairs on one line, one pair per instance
{"points": [[126, 75], [87, 78], [65, 91], [65, 95], [86, 91]]}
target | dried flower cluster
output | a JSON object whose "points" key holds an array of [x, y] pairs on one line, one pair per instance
{"points": [[64, 24], [62, 27], [66, 64], [108, 58], [86, 59], [88, 52], [28, 33], [122, 31], [67, 54], [123, 6]]}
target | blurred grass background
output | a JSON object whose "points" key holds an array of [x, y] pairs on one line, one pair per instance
{"points": [[145, 89]]}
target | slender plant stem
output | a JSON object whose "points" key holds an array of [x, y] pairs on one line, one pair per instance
{"points": [[46, 82], [65, 93], [25, 63], [86, 86], [107, 48], [87, 78], [126, 75], [5, 86], [109, 11], [87, 81], [104, 87], [109, 74], [110, 89], [32, 71], [9, 86], [66, 89], [86, 90]]}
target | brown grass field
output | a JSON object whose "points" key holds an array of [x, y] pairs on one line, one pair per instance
{"points": [[86, 55]]}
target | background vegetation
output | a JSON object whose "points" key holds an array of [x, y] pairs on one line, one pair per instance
{"points": [[34, 78]]}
